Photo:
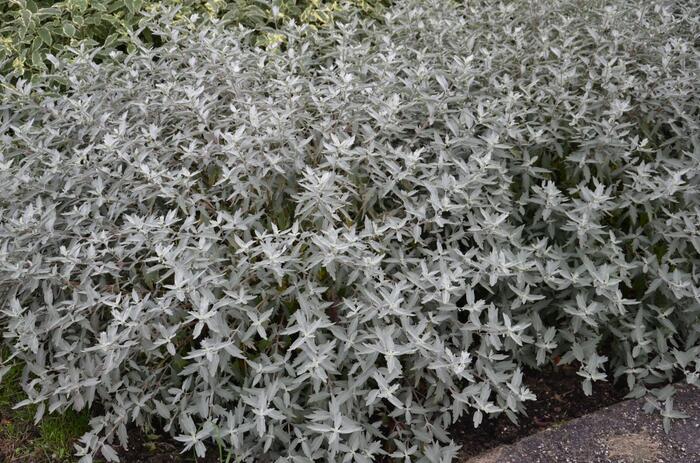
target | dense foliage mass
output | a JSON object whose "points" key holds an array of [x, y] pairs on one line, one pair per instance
{"points": [[331, 250], [32, 29]]}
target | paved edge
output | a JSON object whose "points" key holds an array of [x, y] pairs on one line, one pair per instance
{"points": [[619, 433]]}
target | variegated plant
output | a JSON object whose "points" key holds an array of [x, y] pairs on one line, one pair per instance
{"points": [[32, 29]]}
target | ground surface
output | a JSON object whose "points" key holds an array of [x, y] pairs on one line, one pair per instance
{"points": [[163, 449], [560, 398], [21, 441], [619, 433]]}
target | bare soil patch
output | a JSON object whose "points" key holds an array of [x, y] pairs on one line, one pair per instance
{"points": [[633, 448]]}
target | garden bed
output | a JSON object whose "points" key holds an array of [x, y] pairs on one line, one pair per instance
{"points": [[334, 244]]}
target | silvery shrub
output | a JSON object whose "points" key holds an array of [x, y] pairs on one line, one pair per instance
{"points": [[333, 248]]}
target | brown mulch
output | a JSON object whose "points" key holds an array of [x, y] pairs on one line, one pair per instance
{"points": [[560, 398]]}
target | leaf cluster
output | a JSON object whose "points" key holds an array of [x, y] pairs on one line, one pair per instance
{"points": [[333, 249]]}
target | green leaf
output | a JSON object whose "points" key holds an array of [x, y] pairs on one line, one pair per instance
{"points": [[45, 35], [101, 7], [31, 6], [37, 59], [111, 40], [130, 5], [81, 4], [44, 13], [36, 44], [26, 18], [69, 29]]}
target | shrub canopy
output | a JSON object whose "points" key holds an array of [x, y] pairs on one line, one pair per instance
{"points": [[331, 249]]}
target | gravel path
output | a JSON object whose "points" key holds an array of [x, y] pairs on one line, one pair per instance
{"points": [[619, 433]]}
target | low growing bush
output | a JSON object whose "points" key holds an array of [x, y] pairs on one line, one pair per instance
{"points": [[331, 250]]}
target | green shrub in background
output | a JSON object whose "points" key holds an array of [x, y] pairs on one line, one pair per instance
{"points": [[30, 29]]}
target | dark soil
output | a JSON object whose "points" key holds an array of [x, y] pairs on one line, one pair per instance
{"points": [[560, 398], [161, 448], [620, 433]]}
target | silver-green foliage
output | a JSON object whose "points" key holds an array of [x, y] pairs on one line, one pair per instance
{"points": [[330, 251]]}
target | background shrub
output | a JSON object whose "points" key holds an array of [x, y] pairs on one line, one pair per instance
{"points": [[31, 29], [332, 248]]}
